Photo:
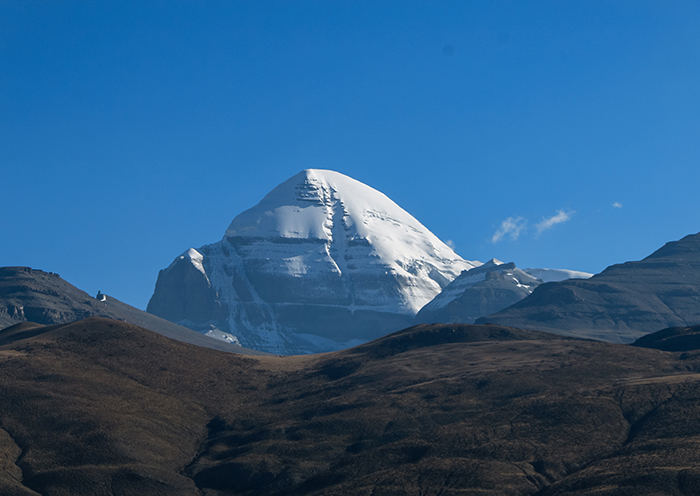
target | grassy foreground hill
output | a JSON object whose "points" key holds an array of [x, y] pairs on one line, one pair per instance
{"points": [[101, 407]]}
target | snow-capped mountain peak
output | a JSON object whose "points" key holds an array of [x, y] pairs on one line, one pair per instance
{"points": [[318, 249]]}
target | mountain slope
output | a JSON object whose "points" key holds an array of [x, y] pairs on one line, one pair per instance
{"points": [[28, 294], [621, 303], [478, 292], [321, 262], [100, 407], [672, 339]]}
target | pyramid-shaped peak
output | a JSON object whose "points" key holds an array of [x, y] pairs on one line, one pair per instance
{"points": [[319, 248], [323, 204], [343, 213]]}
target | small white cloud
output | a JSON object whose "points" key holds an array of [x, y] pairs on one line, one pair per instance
{"points": [[450, 243], [549, 222], [617, 205], [510, 228]]}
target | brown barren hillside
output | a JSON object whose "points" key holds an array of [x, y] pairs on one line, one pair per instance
{"points": [[28, 294], [101, 407]]}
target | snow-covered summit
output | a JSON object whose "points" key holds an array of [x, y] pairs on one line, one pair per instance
{"points": [[340, 211], [361, 228], [322, 258]]}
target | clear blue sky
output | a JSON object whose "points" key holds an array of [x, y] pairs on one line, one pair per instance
{"points": [[130, 131]]}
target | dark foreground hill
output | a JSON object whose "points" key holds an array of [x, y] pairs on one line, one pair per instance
{"points": [[673, 339], [100, 407], [28, 294], [620, 304]]}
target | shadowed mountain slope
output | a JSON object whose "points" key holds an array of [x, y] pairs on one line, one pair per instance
{"points": [[28, 294], [100, 407], [620, 304], [672, 339]]}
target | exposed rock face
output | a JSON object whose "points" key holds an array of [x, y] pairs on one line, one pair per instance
{"points": [[623, 302], [322, 262], [33, 295], [28, 294], [478, 292], [187, 291]]}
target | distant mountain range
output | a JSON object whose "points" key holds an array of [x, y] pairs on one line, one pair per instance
{"points": [[622, 303], [94, 405], [325, 262], [33, 295]]}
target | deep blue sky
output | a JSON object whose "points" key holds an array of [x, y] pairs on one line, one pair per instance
{"points": [[130, 131]]}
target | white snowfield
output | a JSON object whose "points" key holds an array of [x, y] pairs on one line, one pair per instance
{"points": [[556, 275]]}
